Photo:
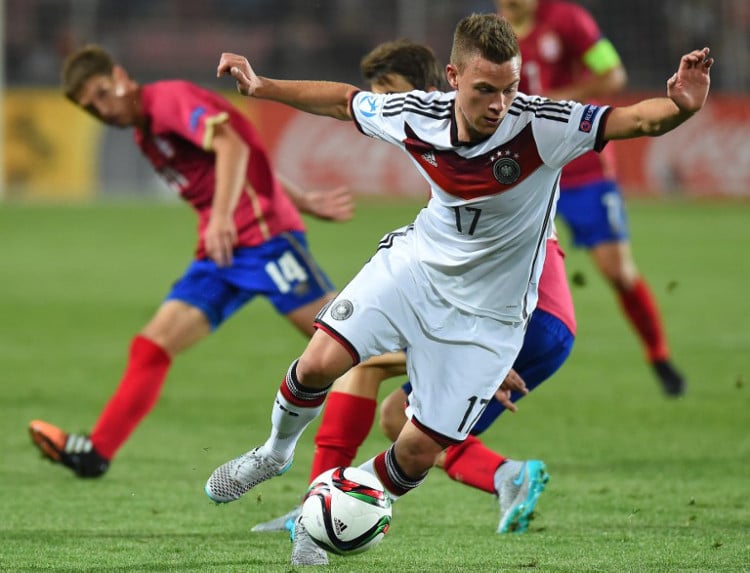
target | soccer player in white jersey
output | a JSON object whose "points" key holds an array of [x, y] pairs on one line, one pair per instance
{"points": [[457, 286]]}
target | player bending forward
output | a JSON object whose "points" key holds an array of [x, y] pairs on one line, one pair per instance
{"points": [[457, 286], [249, 229], [351, 404]]}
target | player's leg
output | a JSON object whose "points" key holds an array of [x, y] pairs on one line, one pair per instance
{"points": [[459, 380], [547, 344], [412, 454], [518, 484], [392, 411], [615, 262], [347, 419], [350, 411], [175, 327], [181, 321], [597, 218], [352, 328], [345, 423], [298, 401], [200, 301]]}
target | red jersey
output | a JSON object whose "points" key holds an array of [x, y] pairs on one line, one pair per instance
{"points": [[181, 118], [552, 57]]}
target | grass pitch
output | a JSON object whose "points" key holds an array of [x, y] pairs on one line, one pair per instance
{"points": [[639, 482]]}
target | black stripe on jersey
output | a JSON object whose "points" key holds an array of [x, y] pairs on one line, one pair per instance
{"points": [[414, 99], [541, 103], [542, 238], [395, 102], [410, 102], [544, 109], [441, 115], [387, 241]]}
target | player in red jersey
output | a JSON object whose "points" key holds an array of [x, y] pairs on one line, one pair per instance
{"points": [[251, 237], [565, 57], [347, 418]]}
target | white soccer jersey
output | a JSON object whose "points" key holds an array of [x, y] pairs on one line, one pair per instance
{"points": [[481, 238]]}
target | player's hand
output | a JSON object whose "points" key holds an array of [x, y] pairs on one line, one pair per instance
{"points": [[219, 239], [239, 68], [503, 396], [512, 383], [688, 88], [330, 204]]}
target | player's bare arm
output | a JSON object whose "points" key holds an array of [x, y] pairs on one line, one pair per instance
{"points": [[232, 155], [687, 91], [327, 204], [320, 98]]}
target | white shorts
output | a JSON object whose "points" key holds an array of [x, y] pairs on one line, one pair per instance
{"points": [[455, 360]]}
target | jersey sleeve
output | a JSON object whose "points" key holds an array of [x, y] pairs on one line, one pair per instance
{"points": [[560, 142], [184, 109], [379, 115]]}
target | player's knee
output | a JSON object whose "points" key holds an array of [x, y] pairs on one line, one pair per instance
{"points": [[392, 417], [622, 280], [389, 427], [315, 371], [415, 457]]}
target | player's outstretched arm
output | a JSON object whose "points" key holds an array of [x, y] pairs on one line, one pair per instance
{"points": [[687, 91], [320, 98]]}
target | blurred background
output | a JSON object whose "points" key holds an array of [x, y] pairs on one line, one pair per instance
{"points": [[52, 151]]}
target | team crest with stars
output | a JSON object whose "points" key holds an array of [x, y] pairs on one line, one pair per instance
{"points": [[505, 168], [342, 309]]}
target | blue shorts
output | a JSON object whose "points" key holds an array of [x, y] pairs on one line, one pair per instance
{"points": [[281, 269], [595, 213], [546, 345]]}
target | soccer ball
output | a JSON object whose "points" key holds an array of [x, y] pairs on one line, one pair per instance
{"points": [[346, 510]]}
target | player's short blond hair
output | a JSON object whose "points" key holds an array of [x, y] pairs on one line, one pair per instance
{"points": [[488, 35], [83, 64]]}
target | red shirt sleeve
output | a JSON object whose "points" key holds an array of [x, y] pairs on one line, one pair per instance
{"points": [[185, 109]]}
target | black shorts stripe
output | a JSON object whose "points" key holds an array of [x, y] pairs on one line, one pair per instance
{"points": [[338, 337], [441, 439]]}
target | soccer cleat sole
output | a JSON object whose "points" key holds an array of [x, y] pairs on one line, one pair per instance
{"points": [[48, 438], [517, 521], [219, 500]]}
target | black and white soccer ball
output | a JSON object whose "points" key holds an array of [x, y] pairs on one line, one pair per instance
{"points": [[346, 510]]}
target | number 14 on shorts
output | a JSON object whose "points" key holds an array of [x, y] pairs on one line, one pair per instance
{"points": [[286, 271]]}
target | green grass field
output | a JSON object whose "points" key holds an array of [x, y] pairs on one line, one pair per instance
{"points": [[638, 482]]}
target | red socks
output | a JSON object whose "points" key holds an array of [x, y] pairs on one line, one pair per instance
{"points": [[136, 395], [472, 463], [640, 308], [346, 422]]}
